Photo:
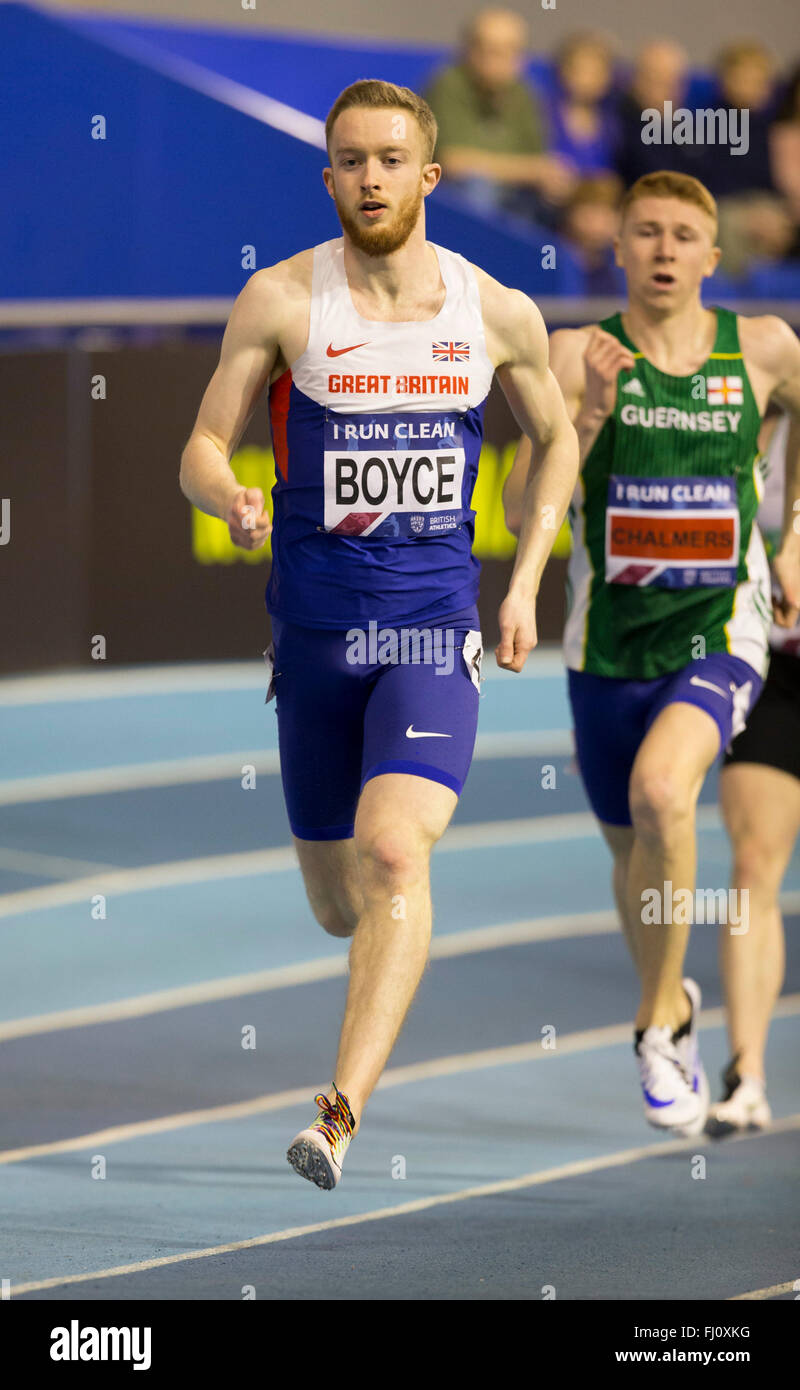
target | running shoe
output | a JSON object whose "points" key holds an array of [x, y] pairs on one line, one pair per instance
{"points": [[685, 1041], [317, 1153], [674, 1084], [743, 1107]]}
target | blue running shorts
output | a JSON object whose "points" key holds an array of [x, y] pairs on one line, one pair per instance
{"points": [[354, 705], [611, 717]]}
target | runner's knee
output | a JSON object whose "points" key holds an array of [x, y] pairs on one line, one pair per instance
{"points": [[393, 855], [661, 804], [758, 863]]}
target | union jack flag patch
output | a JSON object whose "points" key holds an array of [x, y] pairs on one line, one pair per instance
{"points": [[451, 352]]}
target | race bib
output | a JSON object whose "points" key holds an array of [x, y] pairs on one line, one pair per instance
{"points": [[392, 475], [674, 533]]}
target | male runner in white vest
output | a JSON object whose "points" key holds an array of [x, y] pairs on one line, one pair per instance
{"points": [[379, 350], [666, 636]]}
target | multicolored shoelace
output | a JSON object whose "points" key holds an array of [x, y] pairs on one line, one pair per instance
{"points": [[336, 1122]]}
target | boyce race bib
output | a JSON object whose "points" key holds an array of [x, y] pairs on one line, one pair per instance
{"points": [[393, 475], [674, 533]]}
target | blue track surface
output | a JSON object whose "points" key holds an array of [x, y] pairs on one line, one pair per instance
{"points": [[484, 1116]]}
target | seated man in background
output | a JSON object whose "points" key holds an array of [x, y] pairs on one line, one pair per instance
{"points": [[784, 150], [660, 74], [756, 227], [491, 134], [745, 73]]}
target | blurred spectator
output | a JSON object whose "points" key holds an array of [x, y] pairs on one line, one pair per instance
{"points": [[582, 128], [591, 222], [755, 229], [491, 133], [784, 141], [659, 75], [745, 81]]}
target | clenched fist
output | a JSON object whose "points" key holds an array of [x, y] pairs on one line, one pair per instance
{"points": [[247, 519], [517, 622], [605, 357]]}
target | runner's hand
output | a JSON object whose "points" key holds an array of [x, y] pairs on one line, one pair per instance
{"points": [[605, 357], [517, 620], [786, 606], [248, 522]]}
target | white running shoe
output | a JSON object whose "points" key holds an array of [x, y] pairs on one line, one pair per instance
{"points": [[317, 1153], [689, 1055], [743, 1107], [674, 1083], [669, 1098]]}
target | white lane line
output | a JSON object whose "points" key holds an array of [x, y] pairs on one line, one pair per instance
{"points": [[25, 861], [529, 830], [459, 943], [171, 772], [793, 1285], [579, 1168], [196, 677], [218, 767], [590, 1039], [180, 871]]}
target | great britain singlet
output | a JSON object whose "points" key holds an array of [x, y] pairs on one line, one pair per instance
{"points": [[665, 549], [377, 432]]}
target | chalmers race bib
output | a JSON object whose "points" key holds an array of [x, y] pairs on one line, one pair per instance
{"points": [[674, 533], [393, 475]]}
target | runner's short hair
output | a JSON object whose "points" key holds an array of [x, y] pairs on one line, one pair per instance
{"points": [[665, 184], [376, 95]]}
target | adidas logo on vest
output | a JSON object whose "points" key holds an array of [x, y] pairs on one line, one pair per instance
{"points": [[634, 387]]}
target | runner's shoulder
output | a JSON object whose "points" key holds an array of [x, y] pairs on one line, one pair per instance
{"points": [[567, 349], [286, 284], [501, 304], [572, 342], [512, 321], [765, 340]]}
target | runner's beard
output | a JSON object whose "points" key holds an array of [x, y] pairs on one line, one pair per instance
{"points": [[382, 241]]}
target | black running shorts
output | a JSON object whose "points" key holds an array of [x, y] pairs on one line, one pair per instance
{"points": [[772, 733]]}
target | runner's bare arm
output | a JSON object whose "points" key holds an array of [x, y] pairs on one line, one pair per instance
{"points": [[517, 343], [249, 352], [586, 363], [773, 349], [566, 364]]}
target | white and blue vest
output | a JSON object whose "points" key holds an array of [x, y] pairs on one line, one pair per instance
{"points": [[377, 431]]}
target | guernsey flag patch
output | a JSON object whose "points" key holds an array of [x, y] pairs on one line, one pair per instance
{"points": [[724, 390]]}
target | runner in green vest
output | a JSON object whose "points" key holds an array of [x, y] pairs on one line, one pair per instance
{"points": [[669, 588]]}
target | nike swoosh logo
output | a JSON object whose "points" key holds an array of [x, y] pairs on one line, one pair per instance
{"points": [[657, 1104], [411, 732], [337, 352], [697, 680]]}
